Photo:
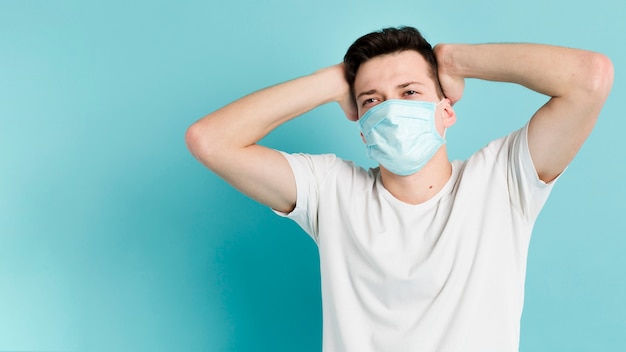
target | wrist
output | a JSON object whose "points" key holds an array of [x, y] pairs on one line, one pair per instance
{"points": [[445, 55], [332, 80]]}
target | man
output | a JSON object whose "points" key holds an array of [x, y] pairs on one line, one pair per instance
{"points": [[419, 254]]}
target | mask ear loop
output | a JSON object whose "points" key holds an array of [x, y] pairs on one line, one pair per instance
{"points": [[444, 129]]}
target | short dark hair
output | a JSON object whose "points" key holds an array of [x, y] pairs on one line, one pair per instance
{"points": [[389, 41]]}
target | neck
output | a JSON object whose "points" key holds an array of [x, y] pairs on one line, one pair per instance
{"points": [[422, 185]]}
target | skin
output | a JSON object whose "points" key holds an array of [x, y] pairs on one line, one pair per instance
{"points": [[404, 75], [577, 82], [225, 140]]}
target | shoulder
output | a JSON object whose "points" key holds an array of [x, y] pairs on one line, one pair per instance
{"points": [[322, 166], [514, 140], [503, 150], [316, 161], [507, 162], [501, 156]]}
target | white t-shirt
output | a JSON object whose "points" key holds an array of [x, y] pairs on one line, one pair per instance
{"points": [[444, 275]]}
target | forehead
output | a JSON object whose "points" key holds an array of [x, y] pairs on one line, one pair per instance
{"points": [[395, 68]]}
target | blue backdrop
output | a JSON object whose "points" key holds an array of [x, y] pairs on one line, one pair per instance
{"points": [[113, 238]]}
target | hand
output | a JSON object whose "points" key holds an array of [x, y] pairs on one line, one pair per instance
{"points": [[348, 105], [346, 100], [342, 93], [451, 84]]}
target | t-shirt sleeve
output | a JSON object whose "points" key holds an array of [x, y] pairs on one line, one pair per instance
{"points": [[310, 172], [527, 192]]}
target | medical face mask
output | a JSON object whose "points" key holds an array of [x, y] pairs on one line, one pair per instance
{"points": [[401, 134]]}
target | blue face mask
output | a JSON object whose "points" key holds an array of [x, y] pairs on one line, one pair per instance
{"points": [[401, 134]]}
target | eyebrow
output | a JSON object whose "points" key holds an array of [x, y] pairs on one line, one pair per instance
{"points": [[403, 85], [369, 92]]}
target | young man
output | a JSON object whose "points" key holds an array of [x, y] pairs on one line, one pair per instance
{"points": [[419, 254]]}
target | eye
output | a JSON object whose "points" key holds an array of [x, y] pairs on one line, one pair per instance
{"points": [[410, 92], [369, 101]]}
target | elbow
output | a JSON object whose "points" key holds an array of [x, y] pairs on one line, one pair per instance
{"points": [[193, 138], [197, 139], [600, 79]]}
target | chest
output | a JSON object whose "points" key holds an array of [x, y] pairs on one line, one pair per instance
{"points": [[418, 250]]}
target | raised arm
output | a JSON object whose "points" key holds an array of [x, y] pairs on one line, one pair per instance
{"points": [[577, 81], [225, 140]]}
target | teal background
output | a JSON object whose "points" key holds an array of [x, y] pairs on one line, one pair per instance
{"points": [[113, 238]]}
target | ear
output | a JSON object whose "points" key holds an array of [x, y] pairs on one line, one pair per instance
{"points": [[449, 115]]}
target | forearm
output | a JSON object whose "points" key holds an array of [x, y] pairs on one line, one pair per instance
{"points": [[577, 81], [247, 120], [550, 70]]}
